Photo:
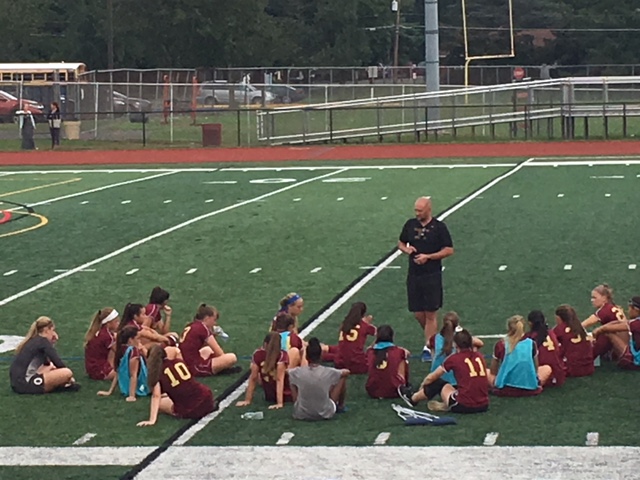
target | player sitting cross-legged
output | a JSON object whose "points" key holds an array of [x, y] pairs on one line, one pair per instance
{"points": [[388, 365], [355, 328], [472, 393], [576, 349]]}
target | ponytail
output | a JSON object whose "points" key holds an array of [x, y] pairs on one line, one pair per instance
{"points": [[606, 291], [515, 331], [450, 322], [124, 335], [384, 334], [96, 324], [34, 330], [205, 311], [314, 350], [539, 326], [568, 315], [131, 310], [353, 318], [273, 349], [155, 358]]}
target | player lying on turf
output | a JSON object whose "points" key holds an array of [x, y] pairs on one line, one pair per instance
{"points": [[318, 392], [134, 316], [354, 330], [174, 391], [290, 342], [472, 392], [99, 343], [292, 304], [269, 368], [606, 312], [442, 345], [576, 349], [548, 348], [156, 309], [625, 337], [37, 368], [514, 368], [131, 375], [388, 365], [200, 349]]}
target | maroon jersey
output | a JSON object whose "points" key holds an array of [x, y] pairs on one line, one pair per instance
{"points": [[291, 340], [96, 354], [268, 380], [470, 371], [133, 323], [190, 398], [383, 380], [576, 352], [610, 313], [194, 337], [549, 354], [350, 354], [153, 312]]}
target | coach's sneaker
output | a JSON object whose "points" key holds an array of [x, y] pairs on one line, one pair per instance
{"points": [[426, 355], [405, 392], [436, 406]]}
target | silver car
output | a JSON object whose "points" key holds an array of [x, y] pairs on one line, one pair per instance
{"points": [[218, 93]]}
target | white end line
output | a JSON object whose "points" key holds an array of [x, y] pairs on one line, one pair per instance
{"points": [[162, 233]]}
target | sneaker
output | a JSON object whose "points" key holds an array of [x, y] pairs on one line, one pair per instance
{"points": [[436, 406], [426, 355], [342, 409], [405, 392], [230, 371], [70, 387]]}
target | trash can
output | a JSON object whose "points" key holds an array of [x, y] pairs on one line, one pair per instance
{"points": [[71, 130], [211, 134]]}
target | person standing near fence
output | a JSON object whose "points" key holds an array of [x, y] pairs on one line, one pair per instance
{"points": [[27, 129], [427, 241], [55, 123]]}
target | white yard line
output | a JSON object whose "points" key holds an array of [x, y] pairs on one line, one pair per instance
{"points": [[490, 439], [502, 268], [382, 438], [85, 438], [191, 271], [162, 233], [9, 273], [191, 432], [568, 267], [132, 271], [255, 270], [285, 438], [316, 270], [592, 439]]}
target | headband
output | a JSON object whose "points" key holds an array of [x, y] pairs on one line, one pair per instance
{"points": [[112, 316], [291, 301]]}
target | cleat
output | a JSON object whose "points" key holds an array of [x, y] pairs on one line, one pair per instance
{"points": [[405, 392], [426, 355]]}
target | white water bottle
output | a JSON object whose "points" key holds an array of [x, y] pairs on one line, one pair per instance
{"points": [[252, 416], [219, 332]]}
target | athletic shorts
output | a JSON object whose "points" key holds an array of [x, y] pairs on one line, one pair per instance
{"points": [[100, 372], [204, 408], [626, 361], [203, 367], [424, 293], [34, 386], [456, 407]]}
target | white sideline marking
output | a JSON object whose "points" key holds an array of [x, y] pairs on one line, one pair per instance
{"points": [[592, 439], [72, 456], [209, 200], [191, 271], [607, 176], [568, 267], [383, 198], [371, 267], [84, 438], [490, 439], [340, 199], [132, 271], [632, 266], [10, 272], [607, 194], [537, 162], [221, 182], [502, 268], [84, 202], [167, 201], [285, 438], [382, 438], [255, 270], [316, 270], [159, 234], [367, 167], [516, 196], [560, 195], [98, 189], [297, 199], [124, 202], [191, 432], [58, 270]]}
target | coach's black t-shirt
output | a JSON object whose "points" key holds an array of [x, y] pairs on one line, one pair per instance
{"points": [[430, 238]]}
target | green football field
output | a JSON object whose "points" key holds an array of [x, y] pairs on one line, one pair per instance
{"points": [[527, 235]]}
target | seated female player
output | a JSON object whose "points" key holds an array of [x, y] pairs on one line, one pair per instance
{"points": [[99, 342], [174, 391], [514, 370], [156, 309], [200, 349], [269, 368], [292, 304], [548, 348], [472, 392], [625, 337], [290, 342], [131, 373], [355, 328], [37, 368], [134, 315], [576, 349], [388, 365], [606, 312]]}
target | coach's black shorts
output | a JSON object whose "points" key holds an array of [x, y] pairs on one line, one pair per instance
{"points": [[34, 386], [424, 292], [456, 407]]}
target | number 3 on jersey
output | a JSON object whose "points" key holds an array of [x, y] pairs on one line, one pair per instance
{"points": [[472, 370], [182, 371]]}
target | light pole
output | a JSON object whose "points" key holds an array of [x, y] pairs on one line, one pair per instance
{"points": [[110, 34], [395, 7]]}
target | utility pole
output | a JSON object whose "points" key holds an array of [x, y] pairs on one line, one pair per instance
{"points": [[432, 54], [395, 7], [110, 34]]}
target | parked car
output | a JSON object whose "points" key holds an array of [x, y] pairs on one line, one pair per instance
{"points": [[10, 104], [286, 93], [124, 104], [218, 93]]}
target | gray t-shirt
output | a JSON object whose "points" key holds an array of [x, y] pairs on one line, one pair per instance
{"points": [[314, 384]]}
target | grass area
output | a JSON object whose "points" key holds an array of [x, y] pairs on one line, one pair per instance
{"points": [[521, 222], [63, 473]]}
